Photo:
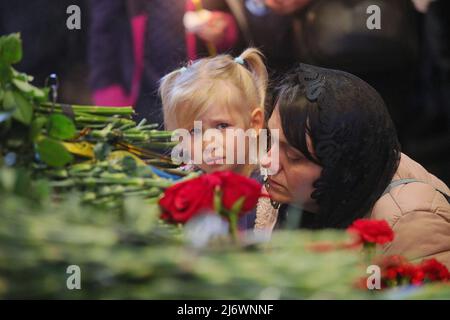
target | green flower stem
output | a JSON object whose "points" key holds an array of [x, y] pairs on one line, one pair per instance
{"points": [[90, 181], [160, 145], [150, 138], [149, 126], [83, 117], [217, 200], [127, 191], [177, 172], [92, 109], [126, 126], [233, 226], [233, 215], [80, 120], [370, 250]]}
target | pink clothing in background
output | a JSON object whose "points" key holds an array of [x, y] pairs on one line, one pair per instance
{"points": [[116, 95]]}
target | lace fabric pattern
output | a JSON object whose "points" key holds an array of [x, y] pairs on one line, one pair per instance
{"points": [[353, 137]]}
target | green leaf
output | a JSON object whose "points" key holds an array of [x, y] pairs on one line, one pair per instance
{"points": [[36, 127], [24, 109], [5, 73], [23, 86], [41, 95], [29, 90], [21, 76], [10, 49], [8, 100], [22, 183], [53, 152], [61, 127]]}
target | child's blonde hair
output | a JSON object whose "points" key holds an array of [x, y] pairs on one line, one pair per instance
{"points": [[188, 92]]}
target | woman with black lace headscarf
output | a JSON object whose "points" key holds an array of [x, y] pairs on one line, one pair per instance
{"points": [[340, 160]]}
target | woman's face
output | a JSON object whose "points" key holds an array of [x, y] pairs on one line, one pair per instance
{"points": [[293, 182]]}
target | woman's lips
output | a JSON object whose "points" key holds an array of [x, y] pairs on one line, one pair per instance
{"points": [[274, 184]]}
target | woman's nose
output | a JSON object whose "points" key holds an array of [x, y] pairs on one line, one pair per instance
{"points": [[266, 160], [271, 165]]}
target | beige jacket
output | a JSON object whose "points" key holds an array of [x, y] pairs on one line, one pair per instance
{"points": [[418, 214]]}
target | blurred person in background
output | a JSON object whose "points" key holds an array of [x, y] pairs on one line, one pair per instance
{"points": [[430, 123], [48, 45], [270, 25], [407, 60], [334, 34], [133, 43]]}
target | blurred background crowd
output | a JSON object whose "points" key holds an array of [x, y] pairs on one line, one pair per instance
{"points": [[125, 46]]}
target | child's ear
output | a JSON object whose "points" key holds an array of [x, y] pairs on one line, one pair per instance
{"points": [[257, 119]]}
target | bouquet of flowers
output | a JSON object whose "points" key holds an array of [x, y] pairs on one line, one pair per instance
{"points": [[98, 151], [225, 193]]}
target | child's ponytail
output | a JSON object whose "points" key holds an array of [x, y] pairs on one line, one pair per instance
{"points": [[239, 83], [255, 64]]}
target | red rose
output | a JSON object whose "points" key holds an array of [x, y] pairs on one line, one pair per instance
{"points": [[433, 270], [403, 274], [372, 231], [234, 186], [392, 262], [186, 199], [396, 270]]}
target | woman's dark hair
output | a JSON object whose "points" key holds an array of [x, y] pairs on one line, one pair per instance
{"points": [[353, 138]]}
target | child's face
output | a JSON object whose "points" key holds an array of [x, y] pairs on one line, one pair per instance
{"points": [[214, 152]]}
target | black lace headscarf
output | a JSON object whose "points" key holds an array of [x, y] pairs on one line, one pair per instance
{"points": [[353, 138]]}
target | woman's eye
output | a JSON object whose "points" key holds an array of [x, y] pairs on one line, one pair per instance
{"points": [[222, 126], [293, 158]]}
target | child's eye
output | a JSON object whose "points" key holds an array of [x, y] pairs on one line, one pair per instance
{"points": [[222, 126]]}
